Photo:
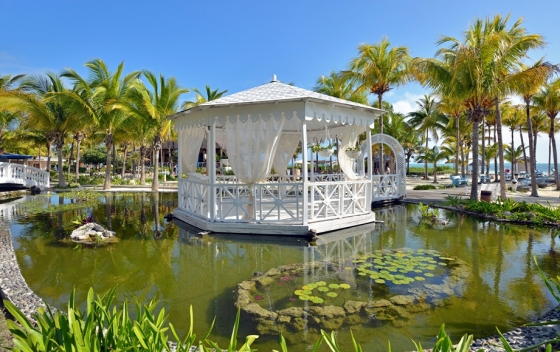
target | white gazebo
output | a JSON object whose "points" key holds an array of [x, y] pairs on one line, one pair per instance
{"points": [[261, 128]]}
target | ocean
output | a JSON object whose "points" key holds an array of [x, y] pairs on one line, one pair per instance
{"points": [[543, 167]]}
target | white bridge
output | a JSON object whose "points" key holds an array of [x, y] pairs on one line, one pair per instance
{"points": [[22, 176]]}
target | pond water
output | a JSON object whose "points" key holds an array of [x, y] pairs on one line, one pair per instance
{"points": [[155, 258]]}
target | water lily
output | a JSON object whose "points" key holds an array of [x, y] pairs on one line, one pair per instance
{"points": [[259, 298]]}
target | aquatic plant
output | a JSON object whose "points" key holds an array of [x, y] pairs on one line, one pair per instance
{"points": [[315, 292]]}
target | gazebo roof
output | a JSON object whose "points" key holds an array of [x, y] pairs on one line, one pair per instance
{"points": [[276, 91], [275, 100]]}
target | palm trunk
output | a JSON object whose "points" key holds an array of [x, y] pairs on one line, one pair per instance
{"points": [[462, 160], [142, 164], [78, 143], [457, 145], [495, 158], [382, 159], [125, 150], [532, 154], [49, 152], [500, 149], [435, 172], [425, 161], [513, 163], [475, 169], [483, 154], [527, 168], [70, 159], [157, 147], [61, 181], [108, 145], [554, 152]]}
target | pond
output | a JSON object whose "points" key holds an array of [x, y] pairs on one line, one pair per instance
{"points": [[167, 260]]}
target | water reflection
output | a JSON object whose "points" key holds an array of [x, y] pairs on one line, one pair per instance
{"points": [[156, 258]]}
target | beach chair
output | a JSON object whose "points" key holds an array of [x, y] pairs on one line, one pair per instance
{"points": [[492, 187], [457, 181]]}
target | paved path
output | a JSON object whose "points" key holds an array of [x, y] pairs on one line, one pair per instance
{"points": [[546, 195]]}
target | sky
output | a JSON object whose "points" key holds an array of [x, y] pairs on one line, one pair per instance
{"points": [[240, 44]]}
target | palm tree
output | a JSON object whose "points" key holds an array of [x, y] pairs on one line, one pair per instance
{"points": [[548, 100], [513, 155], [433, 155], [376, 69], [479, 72], [513, 118], [38, 100], [455, 110], [338, 86], [152, 107], [527, 90], [201, 98], [97, 98], [428, 119], [8, 119]]}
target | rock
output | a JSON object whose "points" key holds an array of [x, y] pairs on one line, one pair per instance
{"points": [[353, 307], [328, 317], [91, 232], [402, 300], [264, 281], [292, 318]]}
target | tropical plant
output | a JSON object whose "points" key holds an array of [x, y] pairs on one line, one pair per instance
{"points": [[97, 98], [151, 107], [38, 100], [201, 98], [429, 120], [548, 100], [338, 86], [478, 71], [432, 155], [376, 69], [527, 90]]}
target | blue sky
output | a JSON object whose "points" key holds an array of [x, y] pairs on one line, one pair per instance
{"points": [[236, 45]]}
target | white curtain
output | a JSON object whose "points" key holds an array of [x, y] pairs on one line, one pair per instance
{"points": [[190, 141], [349, 139], [251, 145], [287, 145]]}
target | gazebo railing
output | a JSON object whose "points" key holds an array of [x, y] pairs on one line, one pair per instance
{"points": [[330, 200], [24, 175], [385, 186], [275, 202]]}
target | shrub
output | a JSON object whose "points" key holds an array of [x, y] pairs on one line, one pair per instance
{"points": [[105, 327], [424, 187]]}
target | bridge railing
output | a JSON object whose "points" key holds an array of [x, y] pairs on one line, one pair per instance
{"points": [[23, 174]]}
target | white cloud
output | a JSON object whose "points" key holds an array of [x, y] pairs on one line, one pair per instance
{"points": [[408, 104]]}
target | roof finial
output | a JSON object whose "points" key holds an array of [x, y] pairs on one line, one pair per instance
{"points": [[274, 79]]}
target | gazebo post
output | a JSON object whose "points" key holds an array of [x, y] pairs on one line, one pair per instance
{"points": [[179, 158], [369, 174], [305, 209], [211, 169]]}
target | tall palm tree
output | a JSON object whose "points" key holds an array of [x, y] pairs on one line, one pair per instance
{"points": [[377, 69], [97, 98], [8, 119], [433, 155], [429, 120], [455, 110], [152, 106], [548, 100], [338, 86], [44, 112], [479, 70], [512, 118], [201, 98], [527, 90]]}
